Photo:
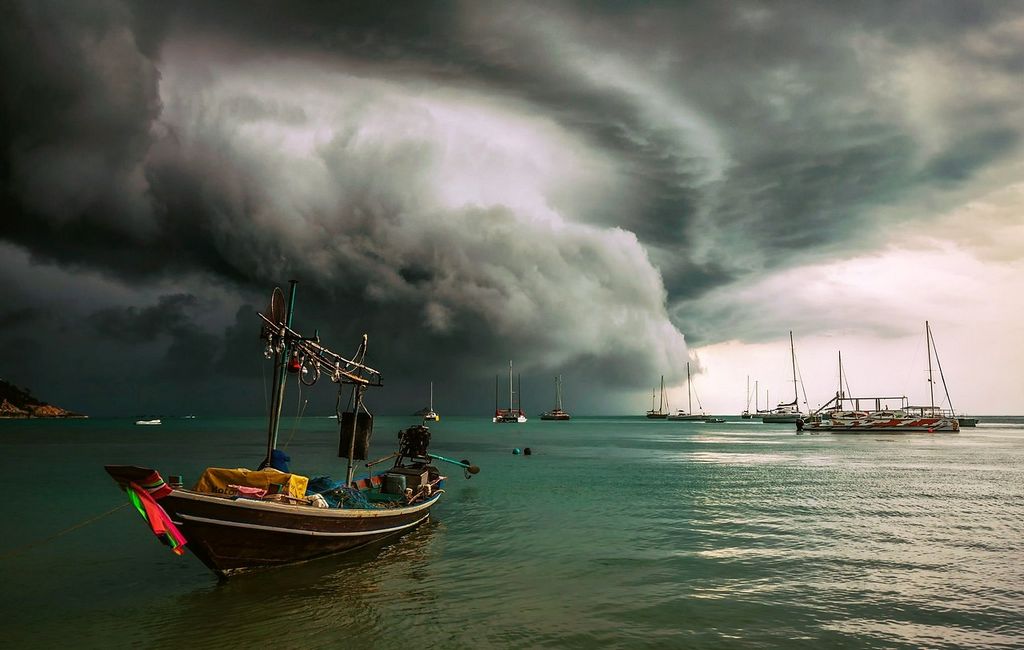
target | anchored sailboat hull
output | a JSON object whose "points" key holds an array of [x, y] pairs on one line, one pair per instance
{"points": [[870, 424]]}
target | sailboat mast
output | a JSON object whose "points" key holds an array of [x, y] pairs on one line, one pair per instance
{"points": [[280, 360], [748, 393], [689, 393], [510, 385], [431, 396], [757, 398], [928, 344], [792, 355], [661, 398], [519, 391], [840, 393]]}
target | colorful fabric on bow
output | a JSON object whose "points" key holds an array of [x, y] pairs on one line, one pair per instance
{"points": [[159, 522]]}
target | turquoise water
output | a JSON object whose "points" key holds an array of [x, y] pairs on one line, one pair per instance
{"points": [[616, 532]]}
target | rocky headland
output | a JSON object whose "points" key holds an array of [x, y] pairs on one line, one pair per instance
{"points": [[16, 402]]}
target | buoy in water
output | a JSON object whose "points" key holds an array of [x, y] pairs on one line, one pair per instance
{"points": [[526, 451], [515, 451]]}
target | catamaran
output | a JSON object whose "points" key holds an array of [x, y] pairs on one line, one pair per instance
{"points": [[894, 414], [556, 413], [689, 415], [788, 412], [514, 413]]}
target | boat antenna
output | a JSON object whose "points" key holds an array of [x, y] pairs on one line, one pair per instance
{"points": [[280, 357]]}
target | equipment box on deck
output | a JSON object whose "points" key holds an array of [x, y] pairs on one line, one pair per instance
{"points": [[414, 478]]}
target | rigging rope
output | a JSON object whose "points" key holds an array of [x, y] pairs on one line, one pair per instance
{"points": [[25, 547], [941, 376], [300, 410]]}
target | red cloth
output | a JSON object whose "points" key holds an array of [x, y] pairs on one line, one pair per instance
{"points": [[159, 521]]}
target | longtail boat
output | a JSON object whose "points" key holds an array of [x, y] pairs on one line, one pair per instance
{"points": [[236, 520]]}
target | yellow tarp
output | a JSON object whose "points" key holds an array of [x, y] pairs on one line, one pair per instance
{"points": [[217, 480]]}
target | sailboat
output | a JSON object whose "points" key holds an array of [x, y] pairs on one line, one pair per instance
{"points": [[746, 412], [875, 414], [237, 520], [689, 416], [514, 413], [556, 413], [430, 415], [789, 411], [661, 413]]}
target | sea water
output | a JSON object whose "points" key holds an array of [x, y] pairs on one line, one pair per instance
{"points": [[614, 532]]}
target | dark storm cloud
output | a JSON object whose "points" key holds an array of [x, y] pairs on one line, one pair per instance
{"points": [[150, 140], [137, 325]]}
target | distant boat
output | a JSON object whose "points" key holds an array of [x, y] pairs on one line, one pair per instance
{"points": [[659, 414], [148, 422], [713, 420], [513, 414], [966, 421], [691, 416], [788, 412], [556, 413], [843, 414], [430, 415], [188, 417], [746, 412]]}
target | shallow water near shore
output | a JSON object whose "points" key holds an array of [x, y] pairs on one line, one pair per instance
{"points": [[617, 532]]}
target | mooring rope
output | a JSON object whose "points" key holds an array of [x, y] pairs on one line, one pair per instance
{"points": [[25, 547]]}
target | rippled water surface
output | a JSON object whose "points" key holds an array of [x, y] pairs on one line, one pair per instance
{"points": [[616, 532]]}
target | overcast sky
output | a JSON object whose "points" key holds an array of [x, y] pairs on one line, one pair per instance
{"points": [[599, 190]]}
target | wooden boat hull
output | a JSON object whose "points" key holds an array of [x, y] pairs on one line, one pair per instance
{"points": [[230, 535]]}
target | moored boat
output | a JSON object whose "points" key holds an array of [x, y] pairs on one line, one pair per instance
{"points": [[689, 415], [788, 412], [236, 520], [430, 415], [746, 412], [661, 412], [514, 413], [845, 414], [556, 413]]}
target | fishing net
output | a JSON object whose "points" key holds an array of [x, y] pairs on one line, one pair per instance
{"points": [[337, 494]]}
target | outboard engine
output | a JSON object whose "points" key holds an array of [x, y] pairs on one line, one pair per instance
{"points": [[413, 442]]}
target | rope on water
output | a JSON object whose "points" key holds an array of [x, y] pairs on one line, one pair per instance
{"points": [[25, 547]]}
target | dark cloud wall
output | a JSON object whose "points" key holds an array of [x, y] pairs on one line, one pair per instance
{"points": [[679, 149]]}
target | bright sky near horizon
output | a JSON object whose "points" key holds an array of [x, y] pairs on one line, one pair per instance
{"points": [[602, 191]]}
